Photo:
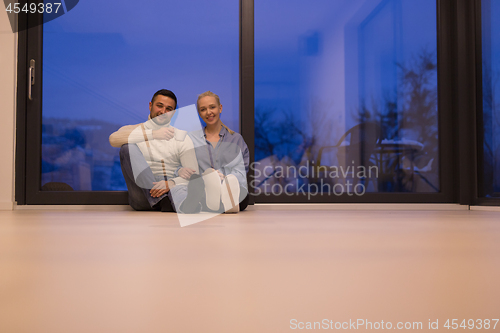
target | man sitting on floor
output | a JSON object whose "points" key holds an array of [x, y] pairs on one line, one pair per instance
{"points": [[150, 154]]}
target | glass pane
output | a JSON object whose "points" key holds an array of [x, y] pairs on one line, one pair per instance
{"points": [[490, 12], [346, 96], [104, 60]]}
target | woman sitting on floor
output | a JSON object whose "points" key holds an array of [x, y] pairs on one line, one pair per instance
{"points": [[223, 160]]}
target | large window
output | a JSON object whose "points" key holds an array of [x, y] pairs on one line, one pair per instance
{"points": [[103, 61], [337, 100], [346, 96], [490, 14]]}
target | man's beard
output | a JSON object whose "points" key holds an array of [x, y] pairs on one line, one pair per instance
{"points": [[162, 119]]}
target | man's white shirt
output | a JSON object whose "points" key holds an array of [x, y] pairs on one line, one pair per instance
{"points": [[164, 157]]}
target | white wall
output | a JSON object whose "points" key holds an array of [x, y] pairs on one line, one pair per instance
{"points": [[8, 66]]}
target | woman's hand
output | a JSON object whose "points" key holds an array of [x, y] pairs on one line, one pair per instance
{"points": [[159, 189], [186, 173]]}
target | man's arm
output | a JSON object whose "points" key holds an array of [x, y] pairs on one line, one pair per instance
{"points": [[121, 137], [133, 134], [187, 156]]}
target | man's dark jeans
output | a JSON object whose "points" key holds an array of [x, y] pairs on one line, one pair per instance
{"points": [[138, 186]]}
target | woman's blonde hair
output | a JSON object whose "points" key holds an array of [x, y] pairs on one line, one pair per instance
{"points": [[208, 94], [211, 94]]}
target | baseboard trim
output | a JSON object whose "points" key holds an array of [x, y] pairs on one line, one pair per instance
{"points": [[486, 208], [110, 208], [274, 207], [378, 206]]}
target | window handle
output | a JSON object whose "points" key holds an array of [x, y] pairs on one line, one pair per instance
{"points": [[31, 78]]}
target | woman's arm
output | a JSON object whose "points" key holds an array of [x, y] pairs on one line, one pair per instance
{"points": [[237, 168], [237, 153]]}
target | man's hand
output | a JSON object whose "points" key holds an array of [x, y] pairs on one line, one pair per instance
{"points": [[164, 133], [221, 175], [186, 173], [159, 189]]}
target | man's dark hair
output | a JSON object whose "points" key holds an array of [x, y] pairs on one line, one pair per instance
{"points": [[166, 93]]}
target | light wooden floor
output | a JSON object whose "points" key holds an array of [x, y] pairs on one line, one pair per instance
{"points": [[71, 272]]}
